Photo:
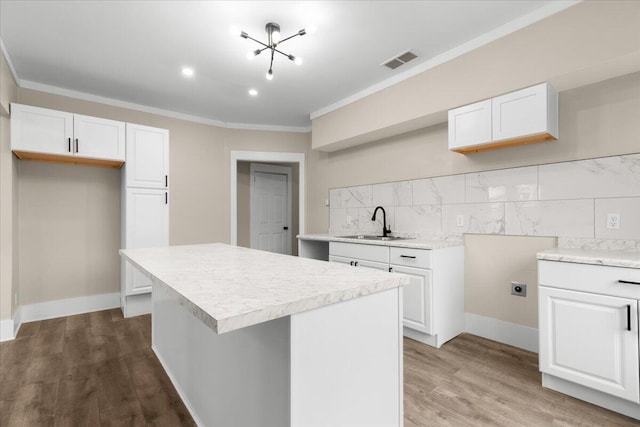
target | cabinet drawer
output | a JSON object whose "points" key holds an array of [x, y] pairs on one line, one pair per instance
{"points": [[355, 250], [597, 279], [419, 258]]}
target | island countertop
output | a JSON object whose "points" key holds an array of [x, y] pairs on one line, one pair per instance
{"points": [[626, 259], [229, 287]]}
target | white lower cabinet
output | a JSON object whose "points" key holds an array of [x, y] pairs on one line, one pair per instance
{"points": [[433, 301], [589, 341], [417, 298], [147, 226], [362, 263]]}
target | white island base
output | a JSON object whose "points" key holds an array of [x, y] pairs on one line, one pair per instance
{"points": [[337, 365]]}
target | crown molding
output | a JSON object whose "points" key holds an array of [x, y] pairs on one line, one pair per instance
{"points": [[27, 84], [486, 38]]}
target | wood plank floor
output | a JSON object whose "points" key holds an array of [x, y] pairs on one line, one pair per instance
{"points": [[98, 369]]}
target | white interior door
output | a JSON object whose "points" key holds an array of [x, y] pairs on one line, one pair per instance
{"points": [[271, 208]]}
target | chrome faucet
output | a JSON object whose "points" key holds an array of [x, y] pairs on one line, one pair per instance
{"points": [[385, 231]]}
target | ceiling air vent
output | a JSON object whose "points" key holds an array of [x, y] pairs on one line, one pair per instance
{"points": [[403, 58]]}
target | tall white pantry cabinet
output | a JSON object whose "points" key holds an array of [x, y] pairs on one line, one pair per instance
{"points": [[145, 209]]}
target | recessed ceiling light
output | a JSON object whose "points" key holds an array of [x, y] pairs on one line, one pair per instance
{"points": [[253, 92], [187, 71]]}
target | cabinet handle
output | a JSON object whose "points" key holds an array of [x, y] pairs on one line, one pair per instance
{"points": [[351, 263], [628, 317], [77, 145], [407, 256], [166, 180], [166, 197], [69, 140], [390, 269], [355, 263], [628, 282]]}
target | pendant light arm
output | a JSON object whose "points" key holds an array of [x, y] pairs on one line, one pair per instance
{"points": [[290, 37], [266, 46]]}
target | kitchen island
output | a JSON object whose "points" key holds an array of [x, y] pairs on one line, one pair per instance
{"points": [[254, 338]]}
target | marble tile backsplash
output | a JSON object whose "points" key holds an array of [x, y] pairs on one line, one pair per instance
{"points": [[569, 200]]}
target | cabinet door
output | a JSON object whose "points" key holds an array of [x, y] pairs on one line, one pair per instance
{"points": [[417, 298], [520, 113], [591, 340], [470, 125], [41, 130], [147, 157], [98, 138], [147, 226]]}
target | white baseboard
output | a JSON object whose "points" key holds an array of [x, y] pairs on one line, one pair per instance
{"points": [[6, 330], [52, 309], [501, 331]]}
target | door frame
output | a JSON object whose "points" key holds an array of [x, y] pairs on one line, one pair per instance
{"points": [[266, 157], [276, 170]]}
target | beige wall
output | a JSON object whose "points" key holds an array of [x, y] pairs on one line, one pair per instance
{"points": [[8, 198], [199, 210], [586, 43], [491, 263], [595, 121]]}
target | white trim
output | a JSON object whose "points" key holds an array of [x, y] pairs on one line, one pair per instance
{"points": [[27, 84], [266, 168], [264, 156], [486, 38], [6, 330], [68, 307], [501, 331], [3, 48], [17, 321]]}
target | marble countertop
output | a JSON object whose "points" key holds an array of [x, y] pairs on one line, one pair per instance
{"points": [[434, 243], [596, 257], [229, 287]]}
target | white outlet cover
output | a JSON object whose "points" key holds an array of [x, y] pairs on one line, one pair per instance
{"points": [[613, 221], [326, 202], [460, 221]]}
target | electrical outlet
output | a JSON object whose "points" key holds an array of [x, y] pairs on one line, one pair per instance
{"points": [[349, 219], [326, 202], [613, 221], [460, 221], [519, 289]]}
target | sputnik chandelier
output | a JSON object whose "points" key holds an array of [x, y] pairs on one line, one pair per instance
{"points": [[274, 40]]}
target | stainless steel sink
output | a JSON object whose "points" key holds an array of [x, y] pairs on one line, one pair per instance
{"points": [[381, 238]]}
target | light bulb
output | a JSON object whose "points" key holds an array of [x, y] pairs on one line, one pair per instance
{"points": [[253, 92], [187, 71], [311, 29], [250, 55], [298, 60], [269, 75], [235, 31], [275, 36]]}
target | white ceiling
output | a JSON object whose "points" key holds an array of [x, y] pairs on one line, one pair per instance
{"points": [[133, 51]]}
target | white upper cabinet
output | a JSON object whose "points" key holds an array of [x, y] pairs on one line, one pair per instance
{"points": [[41, 130], [470, 125], [521, 117], [529, 111], [58, 136], [147, 157], [98, 138]]}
